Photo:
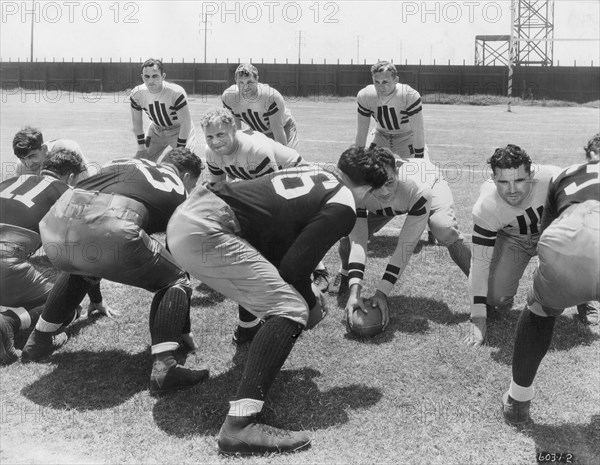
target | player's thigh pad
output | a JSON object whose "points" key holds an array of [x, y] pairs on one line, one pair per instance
{"points": [[509, 260], [206, 244], [568, 273], [442, 218]]}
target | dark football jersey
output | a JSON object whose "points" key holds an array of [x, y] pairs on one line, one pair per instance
{"points": [[157, 187], [574, 184], [292, 217], [24, 200]]}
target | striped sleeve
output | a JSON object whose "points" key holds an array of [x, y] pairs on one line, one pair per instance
{"points": [[413, 227], [484, 240], [266, 166], [179, 103], [358, 248], [136, 106], [363, 111]]}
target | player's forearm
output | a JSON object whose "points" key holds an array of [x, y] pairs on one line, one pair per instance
{"points": [[185, 128], [358, 252], [279, 133], [409, 237], [417, 126], [138, 128], [362, 130], [479, 279]]}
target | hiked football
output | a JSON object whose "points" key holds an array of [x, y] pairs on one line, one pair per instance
{"points": [[366, 324]]}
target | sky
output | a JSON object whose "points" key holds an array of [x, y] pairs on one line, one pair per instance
{"points": [[402, 31]]}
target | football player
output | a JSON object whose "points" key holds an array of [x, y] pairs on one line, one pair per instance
{"points": [[266, 236], [24, 200], [235, 154], [29, 147], [568, 273], [506, 230], [407, 176], [166, 105], [102, 229], [260, 106], [397, 111], [403, 193]]}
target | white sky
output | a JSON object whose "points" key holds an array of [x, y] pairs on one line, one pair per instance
{"points": [[398, 30]]}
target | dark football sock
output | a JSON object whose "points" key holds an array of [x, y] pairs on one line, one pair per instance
{"points": [[67, 293], [187, 326], [95, 294], [532, 340], [154, 307], [170, 316], [245, 315], [344, 252], [267, 354], [461, 255]]}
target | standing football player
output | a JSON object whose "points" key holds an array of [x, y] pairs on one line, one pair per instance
{"points": [[397, 111], [404, 177], [111, 216], [506, 230], [166, 105], [29, 147], [264, 238], [260, 106], [568, 273], [24, 200]]}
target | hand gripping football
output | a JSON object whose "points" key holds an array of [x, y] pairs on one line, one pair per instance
{"points": [[366, 324]]}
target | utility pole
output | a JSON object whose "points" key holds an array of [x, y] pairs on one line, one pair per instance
{"points": [[300, 38], [204, 21], [32, 21]]}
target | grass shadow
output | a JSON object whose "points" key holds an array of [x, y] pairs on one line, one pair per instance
{"points": [[87, 380], [568, 332], [295, 402], [581, 442], [381, 246]]}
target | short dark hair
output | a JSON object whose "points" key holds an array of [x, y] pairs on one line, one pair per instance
{"points": [[26, 140], [382, 66], [362, 168], [184, 160], [63, 161], [150, 62], [593, 145], [511, 156]]}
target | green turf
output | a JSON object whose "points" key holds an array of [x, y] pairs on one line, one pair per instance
{"points": [[415, 394]]}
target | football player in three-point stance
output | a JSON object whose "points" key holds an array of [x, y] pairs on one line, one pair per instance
{"points": [[101, 229], [568, 273], [397, 111], [506, 230], [24, 200], [265, 237], [165, 104], [260, 106], [408, 180]]}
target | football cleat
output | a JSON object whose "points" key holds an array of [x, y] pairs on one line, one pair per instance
{"points": [[8, 328], [321, 279], [515, 413], [170, 379], [588, 313], [340, 285], [245, 436], [243, 335], [41, 345]]}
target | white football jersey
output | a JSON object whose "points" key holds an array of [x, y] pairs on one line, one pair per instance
{"points": [[161, 108]]}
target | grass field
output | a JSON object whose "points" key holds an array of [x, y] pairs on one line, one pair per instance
{"points": [[413, 395]]}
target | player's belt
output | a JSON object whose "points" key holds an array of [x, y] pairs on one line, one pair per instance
{"points": [[79, 203]]}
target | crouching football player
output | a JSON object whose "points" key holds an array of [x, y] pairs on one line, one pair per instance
{"points": [[257, 242]]}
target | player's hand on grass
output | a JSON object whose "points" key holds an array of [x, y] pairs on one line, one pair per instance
{"points": [[190, 343], [477, 331], [354, 302], [102, 309], [141, 153], [380, 300]]}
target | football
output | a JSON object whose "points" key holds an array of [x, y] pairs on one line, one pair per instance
{"points": [[366, 324]]}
